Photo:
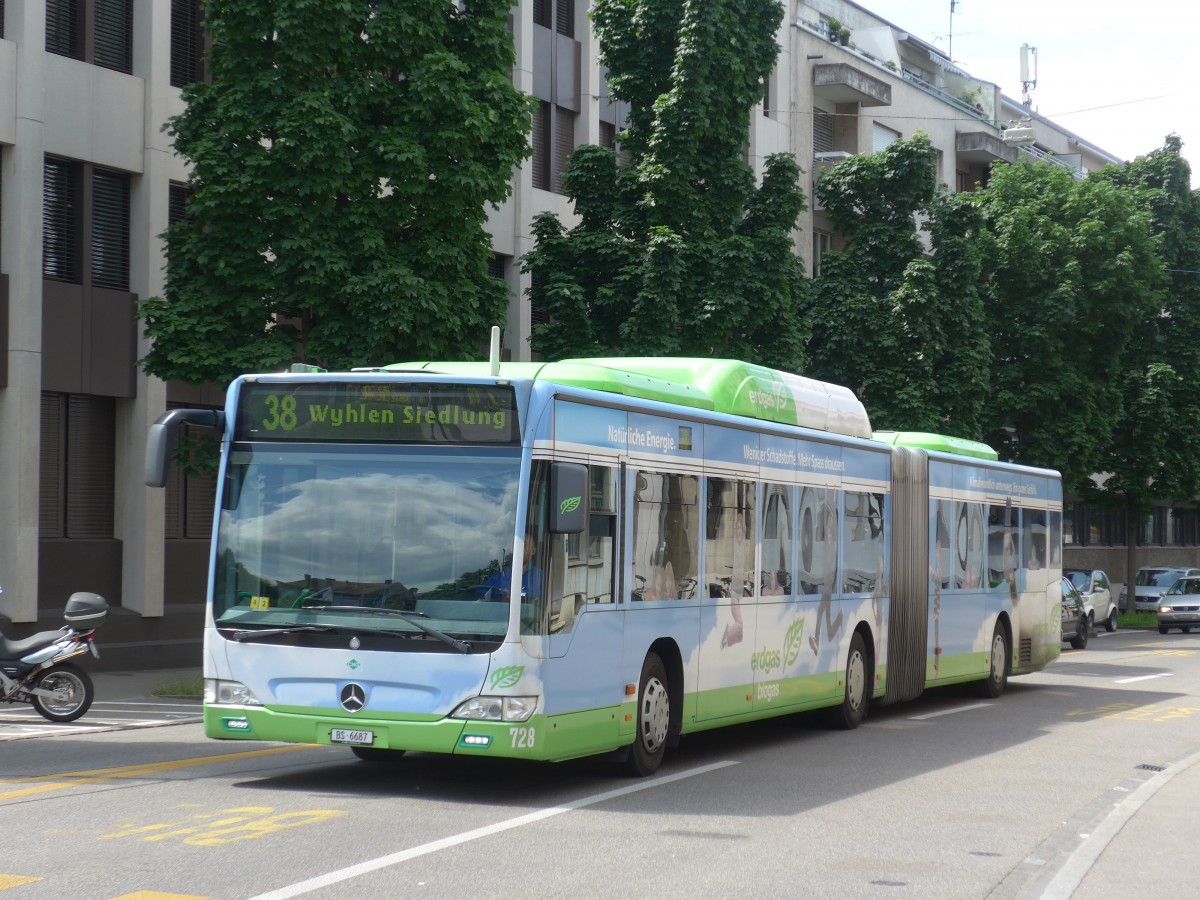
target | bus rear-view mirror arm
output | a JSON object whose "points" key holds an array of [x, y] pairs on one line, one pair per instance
{"points": [[160, 441]]}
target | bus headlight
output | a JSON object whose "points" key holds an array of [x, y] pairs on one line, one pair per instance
{"points": [[496, 709], [228, 693]]}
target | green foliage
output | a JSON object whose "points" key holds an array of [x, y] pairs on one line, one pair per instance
{"points": [[1074, 276], [342, 162], [1151, 455], [676, 253], [902, 328]]}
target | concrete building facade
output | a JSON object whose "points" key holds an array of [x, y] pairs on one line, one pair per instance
{"points": [[89, 181]]}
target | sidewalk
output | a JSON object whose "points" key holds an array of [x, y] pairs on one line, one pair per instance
{"points": [[142, 684]]}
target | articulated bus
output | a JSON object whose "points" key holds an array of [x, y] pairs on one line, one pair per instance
{"points": [[554, 560]]}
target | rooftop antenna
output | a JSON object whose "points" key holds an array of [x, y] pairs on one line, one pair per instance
{"points": [[1028, 72], [950, 45]]}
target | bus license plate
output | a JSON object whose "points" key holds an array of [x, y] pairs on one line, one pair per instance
{"points": [[346, 736]]}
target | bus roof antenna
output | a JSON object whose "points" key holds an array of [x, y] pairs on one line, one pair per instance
{"points": [[494, 353]]}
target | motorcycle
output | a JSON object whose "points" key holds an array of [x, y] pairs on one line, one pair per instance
{"points": [[35, 669]]}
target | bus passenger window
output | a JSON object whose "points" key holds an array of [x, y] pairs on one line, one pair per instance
{"points": [[666, 524], [776, 575]]}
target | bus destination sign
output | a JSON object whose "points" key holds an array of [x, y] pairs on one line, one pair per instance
{"points": [[316, 411]]}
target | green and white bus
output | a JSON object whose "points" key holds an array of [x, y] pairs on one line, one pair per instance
{"points": [[700, 542]]}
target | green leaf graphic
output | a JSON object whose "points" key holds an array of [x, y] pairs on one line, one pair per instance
{"points": [[791, 642], [570, 504], [507, 676]]}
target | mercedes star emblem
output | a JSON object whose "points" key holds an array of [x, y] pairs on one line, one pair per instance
{"points": [[354, 697], [355, 643]]}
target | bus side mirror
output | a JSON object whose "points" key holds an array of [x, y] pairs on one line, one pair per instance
{"points": [[160, 440], [568, 498]]}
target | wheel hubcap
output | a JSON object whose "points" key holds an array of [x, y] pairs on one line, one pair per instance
{"points": [[856, 678], [997, 658], [65, 693], [655, 715]]}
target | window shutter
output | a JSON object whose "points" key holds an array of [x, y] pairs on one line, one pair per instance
{"points": [[177, 197], [541, 148], [541, 13], [64, 27], [112, 36], [186, 42], [564, 143], [50, 478], [1, 18], [881, 136], [608, 135], [173, 514], [564, 17], [60, 220], [91, 459], [201, 500], [822, 131], [110, 230]]}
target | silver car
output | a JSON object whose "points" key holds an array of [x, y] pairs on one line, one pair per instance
{"points": [[1098, 600], [1180, 606], [1074, 618], [1150, 583]]}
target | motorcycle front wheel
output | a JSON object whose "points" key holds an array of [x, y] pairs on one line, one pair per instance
{"points": [[72, 689]]}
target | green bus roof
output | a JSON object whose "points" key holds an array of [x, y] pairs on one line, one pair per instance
{"points": [[942, 443], [724, 385]]}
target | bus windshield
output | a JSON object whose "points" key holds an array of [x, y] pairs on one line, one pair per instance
{"points": [[314, 541]]}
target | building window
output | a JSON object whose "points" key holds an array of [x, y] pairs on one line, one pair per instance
{"points": [[541, 146], [72, 193], [62, 198], [78, 458], [191, 496], [110, 229], [94, 31], [822, 131], [882, 136], [564, 145], [822, 244], [608, 135], [187, 43]]}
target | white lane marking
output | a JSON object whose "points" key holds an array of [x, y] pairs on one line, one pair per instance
{"points": [[950, 712], [1144, 678], [454, 840]]}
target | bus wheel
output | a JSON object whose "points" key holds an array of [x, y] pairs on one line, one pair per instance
{"points": [[854, 705], [376, 754], [653, 719], [993, 686]]}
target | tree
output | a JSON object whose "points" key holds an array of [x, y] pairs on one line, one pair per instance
{"points": [[341, 164], [1151, 455], [1073, 275], [675, 252], [900, 326]]}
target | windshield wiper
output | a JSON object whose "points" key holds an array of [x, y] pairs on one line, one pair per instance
{"points": [[410, 617], [243, 633]]}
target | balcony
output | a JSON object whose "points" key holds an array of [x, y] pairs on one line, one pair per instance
{"points": [[983, 148], [843, 83]]}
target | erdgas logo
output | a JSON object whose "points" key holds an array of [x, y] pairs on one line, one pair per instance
{"points": [[768, 660], [507, 676], [765, 660], [774, 398], [569, 505]]}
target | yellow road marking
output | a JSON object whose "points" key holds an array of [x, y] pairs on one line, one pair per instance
{"points": [[42, 784], [11, 881]]}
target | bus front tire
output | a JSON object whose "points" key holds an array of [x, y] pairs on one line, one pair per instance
{"points": [[993, 686], [653, 719], [853, 708]]}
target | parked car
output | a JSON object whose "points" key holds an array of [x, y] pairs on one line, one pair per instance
{"points": [[1150, 583], [1096, 590], [1180, 606], [1074, 616]]}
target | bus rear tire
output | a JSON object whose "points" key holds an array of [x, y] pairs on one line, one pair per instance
{"points": [[376, 754], [653, 719], [853, 708], [993, 686]]}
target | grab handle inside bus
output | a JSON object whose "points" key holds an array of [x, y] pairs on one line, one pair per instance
{"points": [[568, 498], [160, 440]]}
